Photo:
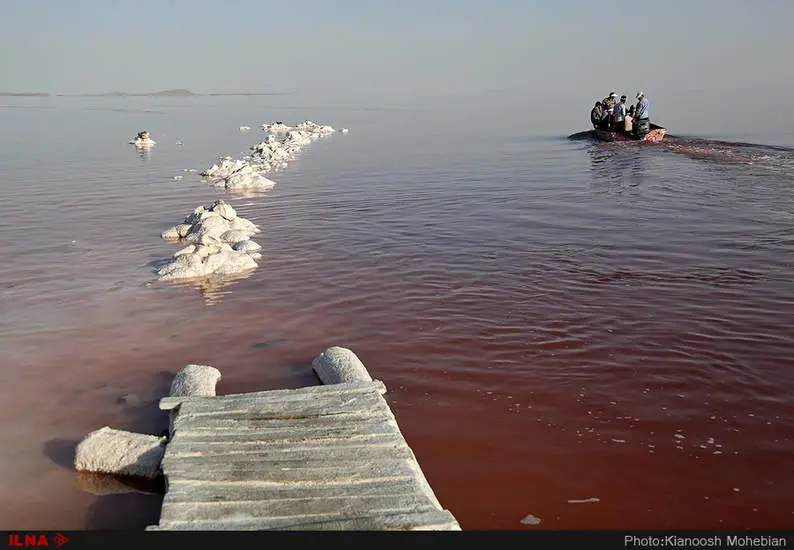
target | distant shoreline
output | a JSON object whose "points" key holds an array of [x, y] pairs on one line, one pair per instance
{"points": [[163, 93], [24, 94]]}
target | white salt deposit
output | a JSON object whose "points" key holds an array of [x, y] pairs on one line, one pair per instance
{"points": [[584, 500], [238, 174], [219, 244], [142, 140], [530, 520], [244, 128], [269, 155], [276, 127]]}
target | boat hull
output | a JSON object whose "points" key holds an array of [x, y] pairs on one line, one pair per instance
{"points": [[654, 136]]}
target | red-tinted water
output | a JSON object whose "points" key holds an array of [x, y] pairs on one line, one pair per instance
{"points": [[555, 321]]}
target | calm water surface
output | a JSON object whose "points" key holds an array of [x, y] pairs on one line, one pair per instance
{"points": [[556, 320]]}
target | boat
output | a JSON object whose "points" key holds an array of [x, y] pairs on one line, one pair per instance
{"points": [[655, 135]]}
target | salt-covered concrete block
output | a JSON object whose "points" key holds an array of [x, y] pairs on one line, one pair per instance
{"points": [[195, 380], [337, 364], [118, 452]]}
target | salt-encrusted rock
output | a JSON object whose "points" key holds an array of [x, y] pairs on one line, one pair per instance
{"points": [[183, 229], [242, 224], [310, 126], [224, 209], [195, 216], [142, 140], [336, 365], [229, 262], [195, 381], [171, 234], [177, 232], [234, 236], [189, 249], [212, 232], [210, 225], [237, 174], [208, 239], [208, 260], [244, 128], [118, 452], [276, 127], [247, 246]]}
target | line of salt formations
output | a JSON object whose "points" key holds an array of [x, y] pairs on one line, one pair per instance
{"points": [[219, 244], [273, 153]]}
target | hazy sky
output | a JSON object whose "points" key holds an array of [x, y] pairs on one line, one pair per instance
{"points": [[404, 47]]}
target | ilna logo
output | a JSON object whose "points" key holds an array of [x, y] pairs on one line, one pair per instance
{"points": [[19, 540]]}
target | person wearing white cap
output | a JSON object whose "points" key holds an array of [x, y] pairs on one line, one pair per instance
{"points": [[620, 113], [642, 120]]}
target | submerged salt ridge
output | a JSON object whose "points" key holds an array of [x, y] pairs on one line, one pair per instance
{"points": [[274, 152], [219, 244]]}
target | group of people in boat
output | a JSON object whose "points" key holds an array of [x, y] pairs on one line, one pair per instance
{"points": [[613, 115]]}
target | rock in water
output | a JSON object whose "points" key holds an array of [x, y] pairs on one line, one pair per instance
{"points": [[337, 365], [195, 380], [118, 452]]}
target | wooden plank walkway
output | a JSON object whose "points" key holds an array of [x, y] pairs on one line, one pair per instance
{"points": [[316, 458]]}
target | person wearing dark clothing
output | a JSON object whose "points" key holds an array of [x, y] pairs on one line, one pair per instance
{"points": [[620, 112], [609, 103], [598, 115]]}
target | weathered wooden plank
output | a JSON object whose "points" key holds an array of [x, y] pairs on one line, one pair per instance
{"points": [[301, 408], [320, 457], [279, 456], [210, 491], [276, 462], [330, 422], [287, 472], [181, 446], [222, 437], [168, 403], [430, 519], [331, 402], [241, 510], [242, 429]]}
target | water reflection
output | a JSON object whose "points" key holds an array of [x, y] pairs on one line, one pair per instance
{"points": [[249, 193], [144, 153], [617, 164], [213, 288]]}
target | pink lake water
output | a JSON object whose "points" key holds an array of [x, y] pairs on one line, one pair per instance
{"points": [[555, 320]]}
